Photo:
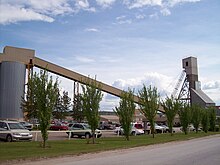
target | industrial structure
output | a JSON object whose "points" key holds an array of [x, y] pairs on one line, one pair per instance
{"points": [[191, 87], [13, 64], [15, 61]]}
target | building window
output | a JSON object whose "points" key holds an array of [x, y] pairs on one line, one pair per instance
{"points": [[187, 63]]}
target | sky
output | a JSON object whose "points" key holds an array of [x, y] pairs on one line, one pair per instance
{"points": [[124, 43]]}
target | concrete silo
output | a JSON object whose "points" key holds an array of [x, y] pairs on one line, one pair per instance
{"points": [[12, 82]]}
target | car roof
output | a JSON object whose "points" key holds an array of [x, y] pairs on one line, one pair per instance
{"points": [[9, 121]]}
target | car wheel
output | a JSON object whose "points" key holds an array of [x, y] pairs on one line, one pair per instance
{"points": [[133, 133], [87, 135], [9, 138]]}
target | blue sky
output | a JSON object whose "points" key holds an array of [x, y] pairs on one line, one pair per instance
{"points": [[124, 43]]}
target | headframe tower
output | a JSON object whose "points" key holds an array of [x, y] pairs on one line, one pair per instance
{"points": [[191, 88]]}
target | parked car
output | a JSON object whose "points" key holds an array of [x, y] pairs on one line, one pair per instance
{"points": [[191, 128], [27, 125], [83, 130], [157, 128], [136, 129], [166, 128], [13, 131], [106, 125], [58, 127]]}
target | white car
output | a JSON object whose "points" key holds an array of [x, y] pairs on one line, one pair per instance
{"points": [[134, 131], [13, 131], [82, 129], [157, 128]]}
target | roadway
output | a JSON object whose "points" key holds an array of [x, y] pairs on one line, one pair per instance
{"points": [[200, 151]]}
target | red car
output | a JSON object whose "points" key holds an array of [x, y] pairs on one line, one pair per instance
{"points": [[59, 127]]}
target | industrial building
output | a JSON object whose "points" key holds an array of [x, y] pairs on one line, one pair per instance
{"points": [[15, 62]]}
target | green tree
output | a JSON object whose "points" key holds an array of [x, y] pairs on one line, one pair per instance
{"points": [[62, 106], [91, 97], [171, 107], [57, 112], [45, 100], [125, 111], [149, 104], [77, 114], [185, 116], [205, 120], [28, 104], [212, 117], [196, 111]]}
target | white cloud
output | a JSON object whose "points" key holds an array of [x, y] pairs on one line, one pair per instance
{"points": [[164, 5], [123, 20], [172, 3], [165, 12], [91, 30], [160, 81], [211, 85], [12, 14], [140, 16], [142, 3], [22, 10], [84, 5], [105, 3], [13, 11]]}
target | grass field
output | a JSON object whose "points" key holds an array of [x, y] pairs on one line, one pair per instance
{"points": [[32, 150]]}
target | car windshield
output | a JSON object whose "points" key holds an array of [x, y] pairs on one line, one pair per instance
{"points": [[87, 126], [16, 126]]}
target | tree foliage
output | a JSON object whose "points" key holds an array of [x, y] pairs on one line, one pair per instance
{"points": [[62, 105], [205, 120], [196, 111], [77, 114], [45, 100], [91, 97], [171, 107], [28, 104], [185, 116], [149, 104], [212, 117], [125, 111]]}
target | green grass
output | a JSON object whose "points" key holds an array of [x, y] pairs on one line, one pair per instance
{"points": [[32, 150]]}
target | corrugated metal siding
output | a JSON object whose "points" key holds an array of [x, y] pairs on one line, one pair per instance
{"points": [[12, 82]]}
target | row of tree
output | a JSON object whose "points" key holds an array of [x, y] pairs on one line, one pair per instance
{"points": [[149, 104], [43, 101], [62, 107], [189, 114]]}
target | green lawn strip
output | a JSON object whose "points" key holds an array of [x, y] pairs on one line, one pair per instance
{"points": [[32, 150]]}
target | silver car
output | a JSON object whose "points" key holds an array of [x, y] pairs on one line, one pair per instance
{"points": [[82, 129], [13, 131]]}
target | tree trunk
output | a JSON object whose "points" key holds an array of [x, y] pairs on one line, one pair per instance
{"points": [[93, 137]]}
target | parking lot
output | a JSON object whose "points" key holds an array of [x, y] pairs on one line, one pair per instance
{"points": [[62, 135]]}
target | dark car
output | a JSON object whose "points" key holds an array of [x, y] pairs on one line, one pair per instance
{"points": [[59, 127]]}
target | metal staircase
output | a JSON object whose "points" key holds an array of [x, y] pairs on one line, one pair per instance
{"points": [[177, 86]]}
